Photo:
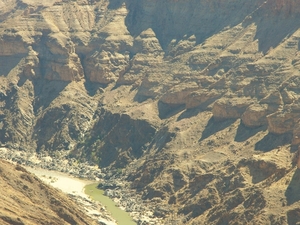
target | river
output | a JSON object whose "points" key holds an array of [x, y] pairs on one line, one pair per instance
{"points": [[82, 188], [122, 217]]}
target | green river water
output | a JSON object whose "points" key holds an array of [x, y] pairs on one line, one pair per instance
{"points": [[122, 217]]}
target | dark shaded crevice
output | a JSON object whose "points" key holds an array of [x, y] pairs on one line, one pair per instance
{"points": [[213, 126], [161, 138], [168, 110], [188, 113], [272, 28], [292, 192], [91, 87], [243, 133], [272, 141], [7, 63], [174, 20], [293, 216], [46, 91], [116, 139], [141, 98], [115, 4], [46, 128]]}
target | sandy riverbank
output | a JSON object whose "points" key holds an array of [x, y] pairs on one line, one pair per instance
{"points": [[63, 173], [62, 181], [75, 188]]}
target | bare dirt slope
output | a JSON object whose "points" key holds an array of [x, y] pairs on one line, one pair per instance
{"points": [[25, 199], [197, 100]]}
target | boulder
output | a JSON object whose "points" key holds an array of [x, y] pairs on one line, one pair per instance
{"points": [[31, 67], [280, 122], [272, 98], [256, 88], [105, 66], [147, 43], [284, 120], [109, 185], [226, 108], [255, 115], [107, 62], [179, 94], [196, 98], [287, 97], [139, 67]]}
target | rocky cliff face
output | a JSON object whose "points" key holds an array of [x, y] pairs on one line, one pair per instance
{"points": [[200, 98]]}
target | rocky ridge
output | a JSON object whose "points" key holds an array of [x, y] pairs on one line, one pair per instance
{"points": [[199, 105], [34, 202]]}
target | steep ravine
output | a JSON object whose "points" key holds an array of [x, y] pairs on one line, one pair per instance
{"points": [[115, 139]]}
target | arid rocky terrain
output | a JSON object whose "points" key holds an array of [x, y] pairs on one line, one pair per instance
{"points": [[25, 199], [195, 104]]}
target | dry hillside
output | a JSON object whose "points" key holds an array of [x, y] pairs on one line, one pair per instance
{"points": [[25, 199], [198, 100]]}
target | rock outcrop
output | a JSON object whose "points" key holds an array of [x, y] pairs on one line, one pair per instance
{"points": [[255, 115], [230, 108], [284, 120]]}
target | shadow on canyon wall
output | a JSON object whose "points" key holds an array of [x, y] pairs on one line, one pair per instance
{"points": [[173, 20]]}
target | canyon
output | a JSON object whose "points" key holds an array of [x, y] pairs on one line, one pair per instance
{"points": [[194, 104]]}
